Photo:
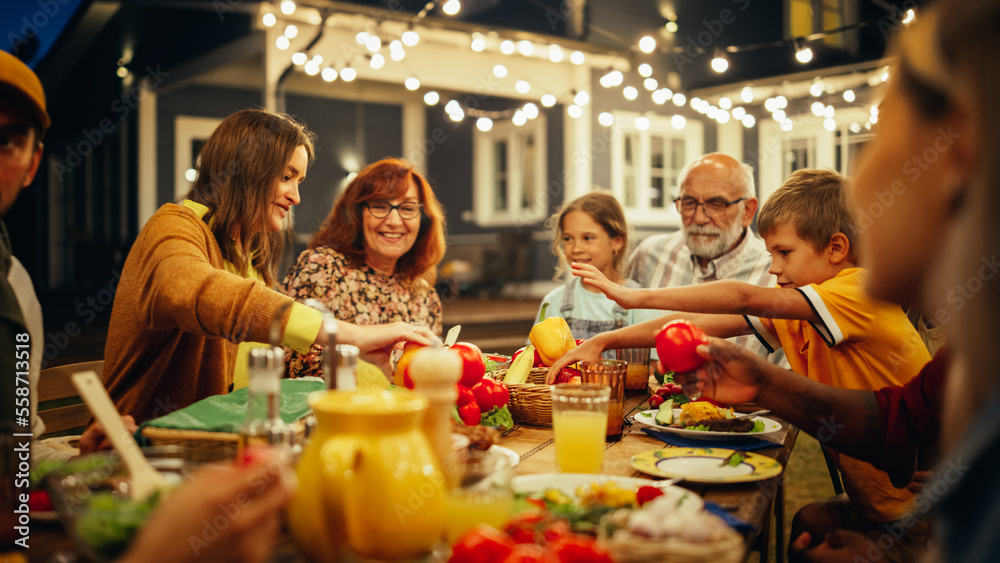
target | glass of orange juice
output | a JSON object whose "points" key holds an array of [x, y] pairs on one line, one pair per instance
{"points": [[482, 496], [579, 421]]}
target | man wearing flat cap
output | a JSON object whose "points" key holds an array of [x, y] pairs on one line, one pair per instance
{"points": [[23, 121]]}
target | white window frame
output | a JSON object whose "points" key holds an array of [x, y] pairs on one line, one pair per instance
{"points": [[641, 214], [188, 128], [810, 128], [483, 180]]}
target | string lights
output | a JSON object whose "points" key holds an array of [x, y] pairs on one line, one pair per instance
{"points": [[373, 43]]}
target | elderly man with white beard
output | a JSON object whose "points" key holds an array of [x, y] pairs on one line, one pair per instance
{"points": [[717, 203]]}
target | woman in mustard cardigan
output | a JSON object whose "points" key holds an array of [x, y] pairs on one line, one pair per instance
{"points": [[198, 279]]}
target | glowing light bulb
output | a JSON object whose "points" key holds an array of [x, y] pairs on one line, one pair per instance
{"points": [[642, 123], [816, 89], [530, 110], [548, 100], [478, 43], [577, 57], [829, 124], [817, 108], [650, 84], [519, 118], [849, 96], [410, 38], [451, 7], [329, 74], [507, 47], [739, 112], [630, 93], [720, 62], [525, 47], [746, 94], [484, 124], [556, 54], [574, 111], [291, 31], [522, 86], [348, 74], [678, 122], [431, 98], [606, 119], [269, 19], [374, 43], [378, 61], [645, 70], [282, 43], [679, 99], [581, 98], [748, 121], [312, 68], [288, 7], [299, 58], [499, 71], [647, 44], [412, 83]]}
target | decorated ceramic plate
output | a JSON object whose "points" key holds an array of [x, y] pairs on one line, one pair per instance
{"points": [[649, 418], [704, 465]]}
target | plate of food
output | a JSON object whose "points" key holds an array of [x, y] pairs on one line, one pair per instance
{"points": [[707, 465], [583, 499], [704, 421]]}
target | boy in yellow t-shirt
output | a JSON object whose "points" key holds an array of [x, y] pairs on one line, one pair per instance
{"points": [[828, 327]]}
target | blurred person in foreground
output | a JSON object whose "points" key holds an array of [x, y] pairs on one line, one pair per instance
{"points": [[374, 259], [24, 120], [933, 246]]}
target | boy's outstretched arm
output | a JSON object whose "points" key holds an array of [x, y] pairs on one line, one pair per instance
{"points": [[643, 335], [723, 297]]}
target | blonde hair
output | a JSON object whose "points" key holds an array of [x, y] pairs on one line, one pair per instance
{"points": [[605, 210], [815, 203]]}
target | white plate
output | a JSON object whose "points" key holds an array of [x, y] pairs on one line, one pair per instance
{"points": [[648, 418], [514, 458], [570, 482]]}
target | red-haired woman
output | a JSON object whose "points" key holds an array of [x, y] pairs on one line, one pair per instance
{"points": [[374, 260]]}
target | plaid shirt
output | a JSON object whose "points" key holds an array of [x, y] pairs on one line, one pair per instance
{"points": [[666, 261]]}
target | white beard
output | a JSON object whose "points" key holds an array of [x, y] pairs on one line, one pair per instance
{"points": [[714, 247]]}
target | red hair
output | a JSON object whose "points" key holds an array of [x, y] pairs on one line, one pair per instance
{"points": [[385, 180]]}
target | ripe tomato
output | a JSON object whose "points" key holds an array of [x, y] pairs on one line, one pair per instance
{"points": [[39, 501], [569, 375], [490, 393], [470, 414], [402, 374], [647, 493], [676, 343], [579, 549], [530, 553], [473, 366], [481, 544]]}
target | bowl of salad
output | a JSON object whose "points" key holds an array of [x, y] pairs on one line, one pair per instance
{"points": [[93, 499]]}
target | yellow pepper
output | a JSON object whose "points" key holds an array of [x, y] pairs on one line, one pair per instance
{"points": [[551, 337]]}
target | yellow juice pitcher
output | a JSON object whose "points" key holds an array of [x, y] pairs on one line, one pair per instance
{"points": [[369, 482]]}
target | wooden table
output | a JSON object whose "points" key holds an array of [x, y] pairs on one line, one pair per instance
{"points": [[751, 502]]}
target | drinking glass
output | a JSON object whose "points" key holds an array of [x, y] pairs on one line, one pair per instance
{"points": [[579, 422], [483, 495], [637, 371], [610, 373]]}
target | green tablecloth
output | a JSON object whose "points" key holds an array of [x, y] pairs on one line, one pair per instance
{"points": [[226, 413]]}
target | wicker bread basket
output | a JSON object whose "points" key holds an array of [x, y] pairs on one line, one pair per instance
{"points": [[626, 547], [531, 402], [206, 446]]}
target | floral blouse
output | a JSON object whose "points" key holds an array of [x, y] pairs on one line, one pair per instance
{"points": [[356, 295]]}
